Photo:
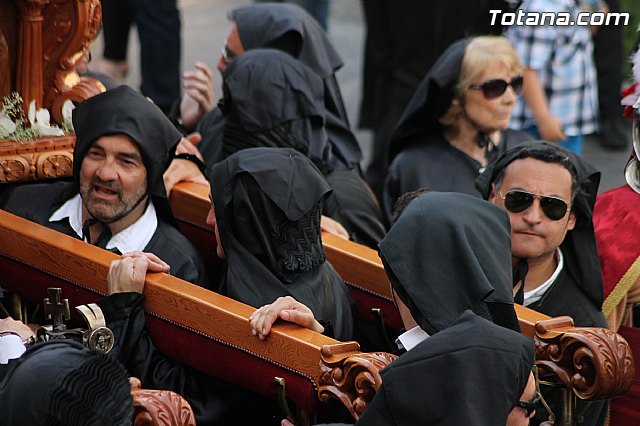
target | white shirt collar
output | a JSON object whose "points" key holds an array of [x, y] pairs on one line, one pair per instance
{"points": [[537, 293], [412, 338], [133, 238]]}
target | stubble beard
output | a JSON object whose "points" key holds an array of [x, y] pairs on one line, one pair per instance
{"points": [[107, 211]]}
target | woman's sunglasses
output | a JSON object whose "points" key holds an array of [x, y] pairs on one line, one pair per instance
{"points": [[517, 201], [492, 89], [529, 406]]}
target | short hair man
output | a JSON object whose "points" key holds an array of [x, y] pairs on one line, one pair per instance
{"points": [[117, 199], [549, 194]]}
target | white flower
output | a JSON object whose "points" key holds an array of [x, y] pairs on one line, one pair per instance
{"points": [[67, 108], [40, 121], [7, 126]]}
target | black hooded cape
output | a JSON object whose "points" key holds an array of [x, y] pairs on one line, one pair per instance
{"points": [[268, 204], [291, 29], [578, 291], [119, 111], [273, 100], [449, 252], [419, 155], [471, 373], [62, 383]]}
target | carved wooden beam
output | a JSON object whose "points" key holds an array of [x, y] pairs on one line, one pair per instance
{"points": [[29, 70], [42, 158], [595, 363], [159, 407], [351, 379]]}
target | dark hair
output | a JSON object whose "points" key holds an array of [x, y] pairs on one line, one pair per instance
{"points": [[553, 157], [404, 200]]}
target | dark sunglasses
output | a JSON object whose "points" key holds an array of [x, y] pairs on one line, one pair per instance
{"points": [[492, 89], [529, 406], [517, 201], [227, 55]]}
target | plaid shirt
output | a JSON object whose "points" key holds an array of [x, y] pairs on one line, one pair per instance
{"points": [[562, 57]]}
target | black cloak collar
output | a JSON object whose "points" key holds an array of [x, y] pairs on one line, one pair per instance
{"points": [[124, 111], [579, 245], [61, 382], [268, 203], [266, 25], [449, 252], [271, 99], [473, 372], [431, 100]]}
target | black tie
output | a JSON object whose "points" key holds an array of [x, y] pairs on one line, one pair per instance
{"points": [[104, 237]]}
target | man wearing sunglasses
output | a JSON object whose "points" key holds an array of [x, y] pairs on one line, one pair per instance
{"points": [[549, 194]]}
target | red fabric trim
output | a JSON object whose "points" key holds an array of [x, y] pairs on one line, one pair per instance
{"points": [[616, 221], [365, 301], [625, 411]]}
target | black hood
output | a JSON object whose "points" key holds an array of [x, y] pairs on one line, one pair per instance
{"points": [[579, 245], [273, 100], [431, 100], [124, 111], [449, 252]]}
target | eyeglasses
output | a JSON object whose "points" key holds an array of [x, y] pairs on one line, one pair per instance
{"points": [[529, 406], [517, 201], [227, 54], [492, 89]]}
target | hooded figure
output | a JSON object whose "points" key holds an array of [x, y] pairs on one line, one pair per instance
{"points": [[473, 372], [268, 203], [579, 291], [423, 151], [292, 30], [459, 261], [62, 383], [117, 112], [273, 100]]}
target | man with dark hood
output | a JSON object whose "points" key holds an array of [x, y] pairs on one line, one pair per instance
{"points": [[62, 383], [273, 100], [288, 28], [549, 194], [117, 199]]}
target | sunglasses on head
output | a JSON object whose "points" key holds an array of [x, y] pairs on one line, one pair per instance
{"points": [[529, 406], [227, 55], [492, 89], [517, 201]]}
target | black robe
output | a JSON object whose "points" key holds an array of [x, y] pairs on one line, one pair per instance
{"points": [[290, 29], [37, 202], [268, 203], [471, 373], [272, 100], [437, 165]]}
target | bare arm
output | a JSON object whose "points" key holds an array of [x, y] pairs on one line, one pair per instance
{"points": [[549, 126]]}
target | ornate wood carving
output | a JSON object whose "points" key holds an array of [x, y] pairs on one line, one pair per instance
{"points": [[351, 379], [42, 158], [42, 40], [159, 407], [595, 363]]}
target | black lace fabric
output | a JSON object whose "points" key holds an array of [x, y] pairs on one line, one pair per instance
{"points": [[298, 245]]}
